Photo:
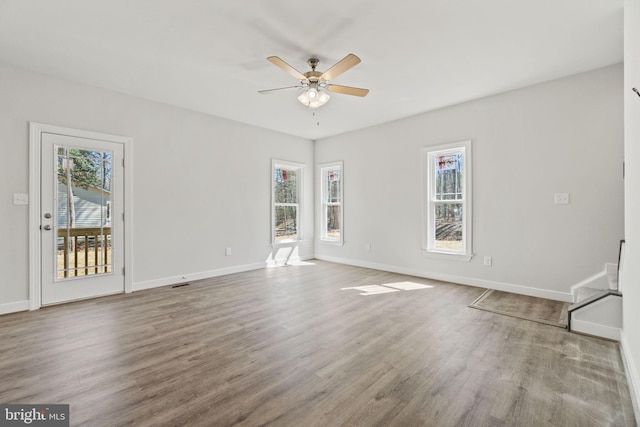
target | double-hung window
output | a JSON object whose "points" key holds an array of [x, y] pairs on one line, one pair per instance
{"points": [[331, 203], [448, 200], [286, 209]]}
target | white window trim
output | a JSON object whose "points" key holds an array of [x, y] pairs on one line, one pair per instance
{"points": [[428, 154], [323, 212], [299, 167]]}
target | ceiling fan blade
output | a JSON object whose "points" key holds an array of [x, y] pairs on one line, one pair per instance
{"points": [[348, 90], [278, 89], [286, 67], [340, 67]]}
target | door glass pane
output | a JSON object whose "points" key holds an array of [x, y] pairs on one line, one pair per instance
{"points": [[286, 223], [83, 212], [448, 226]]}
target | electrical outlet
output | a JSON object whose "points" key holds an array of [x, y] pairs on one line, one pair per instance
{"points": [[561, 198], [487, 261], [367, 247], [227, 252]]}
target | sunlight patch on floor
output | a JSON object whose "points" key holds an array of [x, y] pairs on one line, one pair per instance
{"points": [[407, 286], [372, 289], [299, 263], [388, 288]]}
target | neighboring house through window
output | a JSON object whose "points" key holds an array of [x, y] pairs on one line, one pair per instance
{"points": [[447, 205], [286, 209], [331, 214]]}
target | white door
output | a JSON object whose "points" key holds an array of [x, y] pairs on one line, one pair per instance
{"points": [[82, 218]]}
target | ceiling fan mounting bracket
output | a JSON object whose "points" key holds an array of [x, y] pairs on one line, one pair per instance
{"points": [[313, 63]]}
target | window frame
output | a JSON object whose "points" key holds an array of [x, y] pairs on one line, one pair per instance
{"points": [[299, 168], [323, 169], [429, 155]]}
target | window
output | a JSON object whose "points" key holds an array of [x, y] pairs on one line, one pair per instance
{"points": [[287, 181], [448, 200], [331, 202]]}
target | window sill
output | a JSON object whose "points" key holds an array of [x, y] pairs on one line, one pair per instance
{"points": [[447, 256]]}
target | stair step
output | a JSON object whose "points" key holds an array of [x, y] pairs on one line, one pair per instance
{"points": [[586, 292], [591, 295]]}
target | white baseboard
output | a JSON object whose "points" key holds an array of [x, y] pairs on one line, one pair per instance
{"points": [[498, 286], [595, 329], [14, 307], [156, 283], [632, 375]]}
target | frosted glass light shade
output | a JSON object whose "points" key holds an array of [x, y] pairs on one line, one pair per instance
{"points": [[314, 98]]}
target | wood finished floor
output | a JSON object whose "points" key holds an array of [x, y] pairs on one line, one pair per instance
{"points": [[287, 347]]}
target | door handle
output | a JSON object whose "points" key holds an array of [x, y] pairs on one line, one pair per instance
{"points": [[47, 227]]}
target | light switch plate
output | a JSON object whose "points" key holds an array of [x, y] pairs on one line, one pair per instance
{"points": [[20, 199]]}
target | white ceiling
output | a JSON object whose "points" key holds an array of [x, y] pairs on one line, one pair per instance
{"points": [[209, 56]]}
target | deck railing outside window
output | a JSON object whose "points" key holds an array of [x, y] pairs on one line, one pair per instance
{"points": [[83, 251]]}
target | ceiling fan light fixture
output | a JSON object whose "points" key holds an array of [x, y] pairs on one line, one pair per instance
{"points": [[314, 98], [312, 94], [323, 98]]}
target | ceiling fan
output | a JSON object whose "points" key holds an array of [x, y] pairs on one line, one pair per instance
{"points": [[316, 83]]}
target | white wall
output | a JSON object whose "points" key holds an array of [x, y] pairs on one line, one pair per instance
{"points": [[213, 190], [201, 184], [630, 280], [564, 136]]}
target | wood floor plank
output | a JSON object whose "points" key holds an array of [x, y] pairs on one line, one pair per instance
{"points": [[289, 347]]}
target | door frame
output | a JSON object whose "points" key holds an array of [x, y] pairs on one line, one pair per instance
{"points": [[35, 176]]}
